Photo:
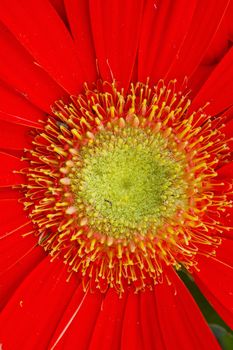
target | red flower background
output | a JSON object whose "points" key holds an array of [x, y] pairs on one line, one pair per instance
{"points": [[48, 50]]}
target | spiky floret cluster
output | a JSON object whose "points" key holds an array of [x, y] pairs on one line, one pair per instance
{"points": [[122, 184]]}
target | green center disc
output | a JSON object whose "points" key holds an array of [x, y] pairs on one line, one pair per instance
{"points": [[129, 181]]}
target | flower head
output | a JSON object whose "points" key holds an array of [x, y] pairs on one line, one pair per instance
{"points": [[118, 173], [121, 184]]}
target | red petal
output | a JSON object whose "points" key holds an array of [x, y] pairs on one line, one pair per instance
{"points": [[14, 215], [10, 164], [19, 255], [226, 172], [216, 50], [108, 327], [228, 128], [14, 136], [79, 19], [19, 70], [218, 88], [219, 45], [229, 21], [152, 335], [76, 325], [9, 193], [116, 27], [224, 251], [216, 283], [181, 322], [36, 307], [132, 328], [16, 109], [41, 31], [205, 23], [229, 113], [60, 8], [164, 29]]}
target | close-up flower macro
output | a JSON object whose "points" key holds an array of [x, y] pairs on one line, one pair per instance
{"points": [[116, 190]]}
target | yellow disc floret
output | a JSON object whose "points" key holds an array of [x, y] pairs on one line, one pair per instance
{"points": [[128, 180]]}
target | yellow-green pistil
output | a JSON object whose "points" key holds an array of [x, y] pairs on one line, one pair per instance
{"points": [[128, 180]]}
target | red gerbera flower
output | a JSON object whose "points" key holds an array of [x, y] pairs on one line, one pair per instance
{"points": [[116, 172]]}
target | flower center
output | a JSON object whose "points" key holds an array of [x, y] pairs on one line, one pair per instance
{"points": [[128, 179], [120, 185]]}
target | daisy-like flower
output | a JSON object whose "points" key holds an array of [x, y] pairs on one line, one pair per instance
{"points": [[116, 172]]}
